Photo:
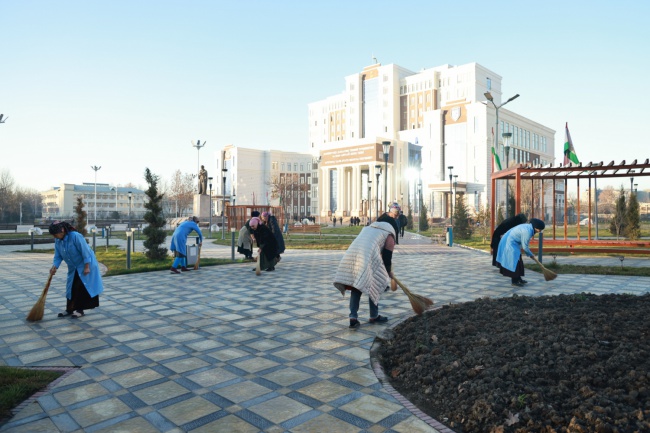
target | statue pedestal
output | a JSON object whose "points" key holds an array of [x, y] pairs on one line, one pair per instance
{"points": [[201, 206]]}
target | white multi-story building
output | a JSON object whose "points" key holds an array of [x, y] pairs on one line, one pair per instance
{"points": [[264, 177], [59, 202], [434, 119]]}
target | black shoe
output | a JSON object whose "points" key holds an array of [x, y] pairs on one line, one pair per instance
{"points": [[272, 268], [521, 280], [354, 324], [378, 319], [518, 284], [174, 271]]}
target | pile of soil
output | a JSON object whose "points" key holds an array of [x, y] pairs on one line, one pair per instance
{"points": [[569, 363]]}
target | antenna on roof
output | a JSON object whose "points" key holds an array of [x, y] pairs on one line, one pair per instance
{"points": [[374, 59]]}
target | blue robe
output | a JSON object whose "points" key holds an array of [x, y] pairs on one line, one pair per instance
{"points": [[511, 244], [75, 251], [179, 238]]}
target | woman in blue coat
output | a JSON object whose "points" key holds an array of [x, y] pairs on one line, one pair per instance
{"points": [[510, 246], [84, 282], [179, 243]]}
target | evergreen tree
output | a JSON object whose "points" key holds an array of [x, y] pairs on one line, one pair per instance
{"points": [[409, 218], [632, 218], [80, 217], [618, 223], [424, 219], [462, 228], [155, 218]]}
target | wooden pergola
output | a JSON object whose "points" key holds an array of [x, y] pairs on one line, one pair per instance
{"points": [[549, 175]]}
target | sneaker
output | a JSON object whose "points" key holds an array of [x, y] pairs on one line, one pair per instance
{"points": [[184, 269], [518, 284], [354, 324], [175, 271], [379, 319]]}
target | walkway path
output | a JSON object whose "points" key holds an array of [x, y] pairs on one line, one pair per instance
{"points": [[221, 350]]}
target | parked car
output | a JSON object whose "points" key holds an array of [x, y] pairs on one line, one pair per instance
{"points": [[585, 222]]}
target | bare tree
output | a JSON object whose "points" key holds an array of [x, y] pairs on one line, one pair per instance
{"points": [[6, 194], [483, 219], [290, 193], [181, 192]]}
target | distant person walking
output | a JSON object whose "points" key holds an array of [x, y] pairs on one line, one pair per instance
{"points": [[501, 230], [179, 243], [366, 267], [84, 284], [391, 217], [403, 221], [509, 256]]}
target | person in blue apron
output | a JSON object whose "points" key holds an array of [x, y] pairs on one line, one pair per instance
{"points": [[84, 283], [509, 255], [179, 243]]}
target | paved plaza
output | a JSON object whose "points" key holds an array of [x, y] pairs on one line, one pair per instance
{"points": [[223, 350]]}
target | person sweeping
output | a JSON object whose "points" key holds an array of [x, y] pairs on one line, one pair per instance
{"points": [[366, 267], [84, 283], [510, 246], [179, 244]]}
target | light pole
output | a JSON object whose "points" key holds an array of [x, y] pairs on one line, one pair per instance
{"points": [[636, 189], [377, 173], [451, 196], [631, 186], [419, 204], [456, 191], [96, 168], [210, 223], [130, 194], [223, 206], [369, 200], [507, 136], [198, 146], [488, 96], [386, 145]]}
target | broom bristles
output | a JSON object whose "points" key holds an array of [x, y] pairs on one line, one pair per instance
{"points": [[419, 303], [198, 259], [548, 274], [37, 311], [258, 266]]}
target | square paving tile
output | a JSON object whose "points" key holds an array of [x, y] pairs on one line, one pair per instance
{"points": [[254, 365], [325, 391], [243, 391], [287, 376], [325, 423], [230, 424], [98, 412], [212, 377], [79, 394], [136, 378], [189, 410], [279, 409], [161, 392], [371, 408]]}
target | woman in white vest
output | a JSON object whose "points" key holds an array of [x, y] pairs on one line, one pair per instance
{"points": [[366, 268]]}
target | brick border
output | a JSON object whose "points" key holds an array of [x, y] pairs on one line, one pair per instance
{"points": [[383, 379]]}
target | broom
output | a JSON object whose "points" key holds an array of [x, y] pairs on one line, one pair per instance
{"points": [[36, 313], [548, 274], [419, 303], [198, 259]]}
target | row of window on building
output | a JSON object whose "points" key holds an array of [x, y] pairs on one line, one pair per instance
{"points": [[522, 138]]}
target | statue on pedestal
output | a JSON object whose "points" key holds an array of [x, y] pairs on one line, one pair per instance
{"points": [[203, 181]]}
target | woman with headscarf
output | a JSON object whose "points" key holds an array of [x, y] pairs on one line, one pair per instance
{"points": [[272, 222], [179, 243], [509, 256], [501, 230], [267, 251], [366, 267], [84, 283]]}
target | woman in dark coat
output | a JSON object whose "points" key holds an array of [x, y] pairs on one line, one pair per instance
{"points": [[272, 222], [501, 230], [266, 243]]}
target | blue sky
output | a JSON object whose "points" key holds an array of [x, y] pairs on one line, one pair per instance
{"points": [[129, 84]]}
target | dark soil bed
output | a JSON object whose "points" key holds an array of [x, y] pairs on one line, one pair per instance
{"points": [[570, 363]]}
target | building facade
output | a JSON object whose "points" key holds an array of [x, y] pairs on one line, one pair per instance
{"points": [[434, 119], [59, 202], [261, 177]]}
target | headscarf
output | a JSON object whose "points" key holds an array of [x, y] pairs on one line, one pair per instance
{"points": [[58, 226], [255, 213], [395, 207], [195, 219], [266, 215], [254, 222], [537, 224]]}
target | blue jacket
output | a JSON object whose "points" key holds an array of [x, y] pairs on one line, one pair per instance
{"points": [[511, 244], [75, 251], [179, 238]]}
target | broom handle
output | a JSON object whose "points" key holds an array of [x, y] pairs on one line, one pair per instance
{"points": [[399, 283], [47, 285], [538, 262]]}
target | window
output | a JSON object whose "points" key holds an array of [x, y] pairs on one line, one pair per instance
{"points": [[282, 165], [489, 83], [295, 166]]}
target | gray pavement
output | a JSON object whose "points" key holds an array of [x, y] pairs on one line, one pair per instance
{"points": [[222, 350]]}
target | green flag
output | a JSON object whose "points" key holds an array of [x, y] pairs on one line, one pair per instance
{"points": [[497, 161], [569, 151]]}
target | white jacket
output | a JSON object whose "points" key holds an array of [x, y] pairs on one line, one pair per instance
{"points": [[362, 266]]}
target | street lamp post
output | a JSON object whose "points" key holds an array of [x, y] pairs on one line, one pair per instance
{"points": [[631, 185], [456, 191], [369, 200], [114, 188], [223, 206], [419, 204], [635, 188], [488, 96], [210, 223], [377, 173], [507, 136], [386, 145], [130, 194], [451, 196], [198, 146], [96, 168]]}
